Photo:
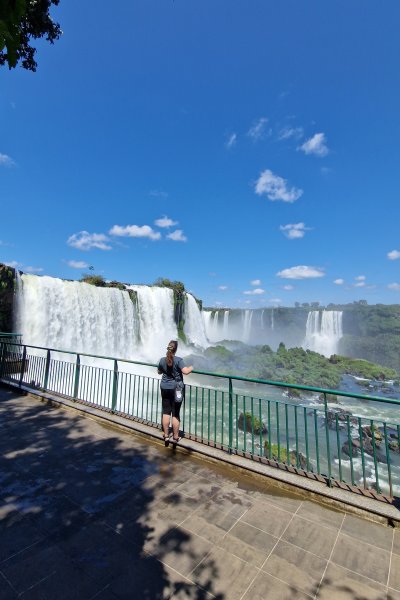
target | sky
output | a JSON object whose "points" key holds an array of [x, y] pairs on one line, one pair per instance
{"points": [[248, 149]]}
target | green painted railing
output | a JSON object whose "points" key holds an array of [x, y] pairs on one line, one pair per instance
{"points": [[11, 337], [354, 441]]}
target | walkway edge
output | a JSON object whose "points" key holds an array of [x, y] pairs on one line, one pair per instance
{"points": [[340, 499]]}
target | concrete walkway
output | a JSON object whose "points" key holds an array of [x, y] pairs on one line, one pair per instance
{"points": [[88, 511]]}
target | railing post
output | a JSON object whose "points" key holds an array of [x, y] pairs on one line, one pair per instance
{"points": [[230, 416], [114, 387], [328, 447], [46, 371], [2, 361], [77, 375], [23, 362]]}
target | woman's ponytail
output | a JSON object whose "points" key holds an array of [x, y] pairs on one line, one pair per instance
{"points": [[171, 349]]}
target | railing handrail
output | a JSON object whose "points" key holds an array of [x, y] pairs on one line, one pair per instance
{"points": [[4, 334], [280, 384]]}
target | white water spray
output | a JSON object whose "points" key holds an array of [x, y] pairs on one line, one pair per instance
{"points": [[323, 331], [69, 315], [194, 325]]}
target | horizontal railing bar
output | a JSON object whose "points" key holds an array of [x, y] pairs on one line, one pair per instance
{"points": [[280, 384]]}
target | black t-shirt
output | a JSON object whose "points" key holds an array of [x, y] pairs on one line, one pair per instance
{"points": [[170, 374]]}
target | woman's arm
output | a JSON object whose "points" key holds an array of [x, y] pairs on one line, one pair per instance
{"points": [[186, 370]]}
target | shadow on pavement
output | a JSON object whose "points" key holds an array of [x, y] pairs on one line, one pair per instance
{"points": [[76, 512]]}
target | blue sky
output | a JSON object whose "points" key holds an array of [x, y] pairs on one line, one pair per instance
{"points": [[248, 149]]}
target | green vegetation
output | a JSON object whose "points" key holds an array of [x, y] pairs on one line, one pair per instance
{"points": [[293, 365], [99, 281], [251, 424], [7, 282], [21, 21]]}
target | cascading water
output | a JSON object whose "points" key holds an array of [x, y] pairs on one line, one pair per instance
{"points": [[156, 319], [194, 325], [226, 325], [323, 331], [69, 315], [247, 318]]}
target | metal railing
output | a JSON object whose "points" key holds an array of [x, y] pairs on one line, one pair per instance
{"points": [[11, 337], [306, 429]]}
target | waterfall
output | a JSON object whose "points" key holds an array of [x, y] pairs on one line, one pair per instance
{"points": [[156, 319], [75, 316], [272, 319], [262, 319], [194, 324], [247, 317], [226, 325], [214, 331], [323, 331]]}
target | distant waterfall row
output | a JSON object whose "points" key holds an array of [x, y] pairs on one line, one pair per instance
{"points": [[319, 331], [138, 322]]}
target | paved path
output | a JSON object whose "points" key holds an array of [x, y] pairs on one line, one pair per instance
{"points": [[88, 511]]}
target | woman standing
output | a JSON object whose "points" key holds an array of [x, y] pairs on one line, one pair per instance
{"points": [[172, 368]]}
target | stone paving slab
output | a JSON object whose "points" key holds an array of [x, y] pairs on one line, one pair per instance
{"points": [[88, 511]]}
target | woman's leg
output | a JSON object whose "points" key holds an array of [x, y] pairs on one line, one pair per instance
{"points": [[167, 401], [165, 424], [176, 409], [175, 427]]}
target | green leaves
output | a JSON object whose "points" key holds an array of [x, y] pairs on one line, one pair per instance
{"points": [[21, 20]]}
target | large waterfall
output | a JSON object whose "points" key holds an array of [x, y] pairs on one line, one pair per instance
{"points": [[323, 331], [76, 316], [137, 323], [69, 315]]}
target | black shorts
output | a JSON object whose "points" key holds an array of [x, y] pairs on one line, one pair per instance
{"points": [[169, 406]]}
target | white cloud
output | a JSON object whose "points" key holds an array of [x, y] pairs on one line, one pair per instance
{"points": [[165, 222], [135, 231], [301, 272], [294, 231], [258, 130], [315, 145], [275, 187], [393, 255], [339, 281], [275, 301], [231, 141], [77, 264], [158, 194], [33, 269], [255, 282], [222, 287], [6, 161], [86, 241], [288, 287], [359, 284], [13, 264], [255, 292], [394, 286], [291, 132], [360, 278], [177, 236]]}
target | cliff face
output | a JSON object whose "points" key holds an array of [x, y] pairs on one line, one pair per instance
{"points": [[7, 279]]}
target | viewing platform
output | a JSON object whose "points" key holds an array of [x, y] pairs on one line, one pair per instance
{"points": [[90, 510]]}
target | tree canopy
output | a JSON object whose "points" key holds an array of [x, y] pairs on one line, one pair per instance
{"points": [[20, 22]]}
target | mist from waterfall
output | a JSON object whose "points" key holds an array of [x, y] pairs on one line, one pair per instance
{"points": [[323, 331], [70, 315], [194, 325], [79, 317], [156, 319]]}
